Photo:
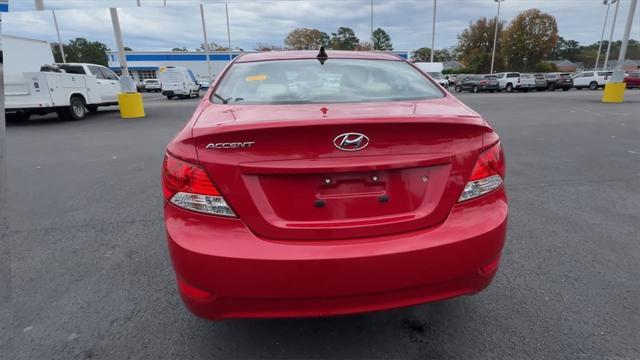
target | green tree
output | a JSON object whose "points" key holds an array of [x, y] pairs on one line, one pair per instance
{"points": [[267, 47], [126, 48], [306, 39], [529, 39], [363, 46], [566, 49], [424, 55], [475, 45], [381, 40], [213, 46], [344, 39], [179, 49], [82, 50]]}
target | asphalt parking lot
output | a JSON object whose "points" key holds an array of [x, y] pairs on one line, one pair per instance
{"points": [[91, 277]]}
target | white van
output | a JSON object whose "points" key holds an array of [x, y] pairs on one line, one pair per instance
{"points": [[178, 81]]}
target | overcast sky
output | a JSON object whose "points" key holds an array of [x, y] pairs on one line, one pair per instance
{"points": [[156, 28]]}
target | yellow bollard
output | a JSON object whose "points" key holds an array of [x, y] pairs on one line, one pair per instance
{"points": [[613, 92], [131, 105]]}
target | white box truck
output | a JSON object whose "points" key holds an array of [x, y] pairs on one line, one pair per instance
{"points": [[70, 90], [434, 69], [178, 81]]}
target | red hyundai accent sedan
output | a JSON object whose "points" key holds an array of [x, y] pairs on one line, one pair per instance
{"points": [[315, 184]]}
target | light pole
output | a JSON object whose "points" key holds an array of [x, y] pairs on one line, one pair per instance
{"points": [[55, 22], [495, 36], [606, 16], [226, 11], [614, 89], [613, 26], [206, 41], [433, 31], [371, 20]]}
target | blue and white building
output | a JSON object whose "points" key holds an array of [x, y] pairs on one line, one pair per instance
{"points": [[145, 65]]}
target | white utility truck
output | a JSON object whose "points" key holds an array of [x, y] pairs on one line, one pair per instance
{"points": [[178, 81], [31, 87], [70, 90], [434, 69]]}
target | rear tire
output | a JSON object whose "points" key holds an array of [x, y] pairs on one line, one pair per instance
{"points": [[551, 87], [458, 88], [509, 87], [593, 85], [565, 89], [75, 111], [475, 89], [169, 97]]}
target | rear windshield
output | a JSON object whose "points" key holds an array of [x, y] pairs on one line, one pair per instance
{"points": [[308, 81], [171, 76]]}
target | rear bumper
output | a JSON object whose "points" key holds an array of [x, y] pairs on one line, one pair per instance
{"points": [[226, 271], [173, 92]]}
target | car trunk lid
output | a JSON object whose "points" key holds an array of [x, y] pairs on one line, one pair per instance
{"points": [[281, 169]]}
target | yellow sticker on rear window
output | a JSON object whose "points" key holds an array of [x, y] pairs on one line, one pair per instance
{"points": [[260, 77]]}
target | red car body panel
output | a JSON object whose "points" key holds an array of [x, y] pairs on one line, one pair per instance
{"points": [[632, 81], [284, 257]]}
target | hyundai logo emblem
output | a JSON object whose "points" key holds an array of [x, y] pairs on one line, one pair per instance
{"points": [[351, 141]]}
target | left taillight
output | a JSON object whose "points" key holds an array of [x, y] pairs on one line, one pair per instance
{"points": [[487, 174], [187, 186]]}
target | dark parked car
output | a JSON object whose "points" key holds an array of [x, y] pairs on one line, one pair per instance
{"points": [[632, 80], [476, 83], [559, 81]]}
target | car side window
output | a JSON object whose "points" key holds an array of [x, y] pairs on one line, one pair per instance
{"points": [[108, 74], [587, 74], [95, 70], [512, 75]]}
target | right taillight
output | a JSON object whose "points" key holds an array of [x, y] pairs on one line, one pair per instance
{"points": [[187, 186], [487, 174]]}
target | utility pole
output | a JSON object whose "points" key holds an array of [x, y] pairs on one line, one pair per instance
{"points": [[495, 36], [613, 26], [55, 22], [433, 31], [206, 41], [605, 2], [226, 10]]}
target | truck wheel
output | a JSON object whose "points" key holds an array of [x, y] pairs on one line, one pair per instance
{"points": [[593, 85], [92, 108], [75, 111], [509, 87], [551, 87]]}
